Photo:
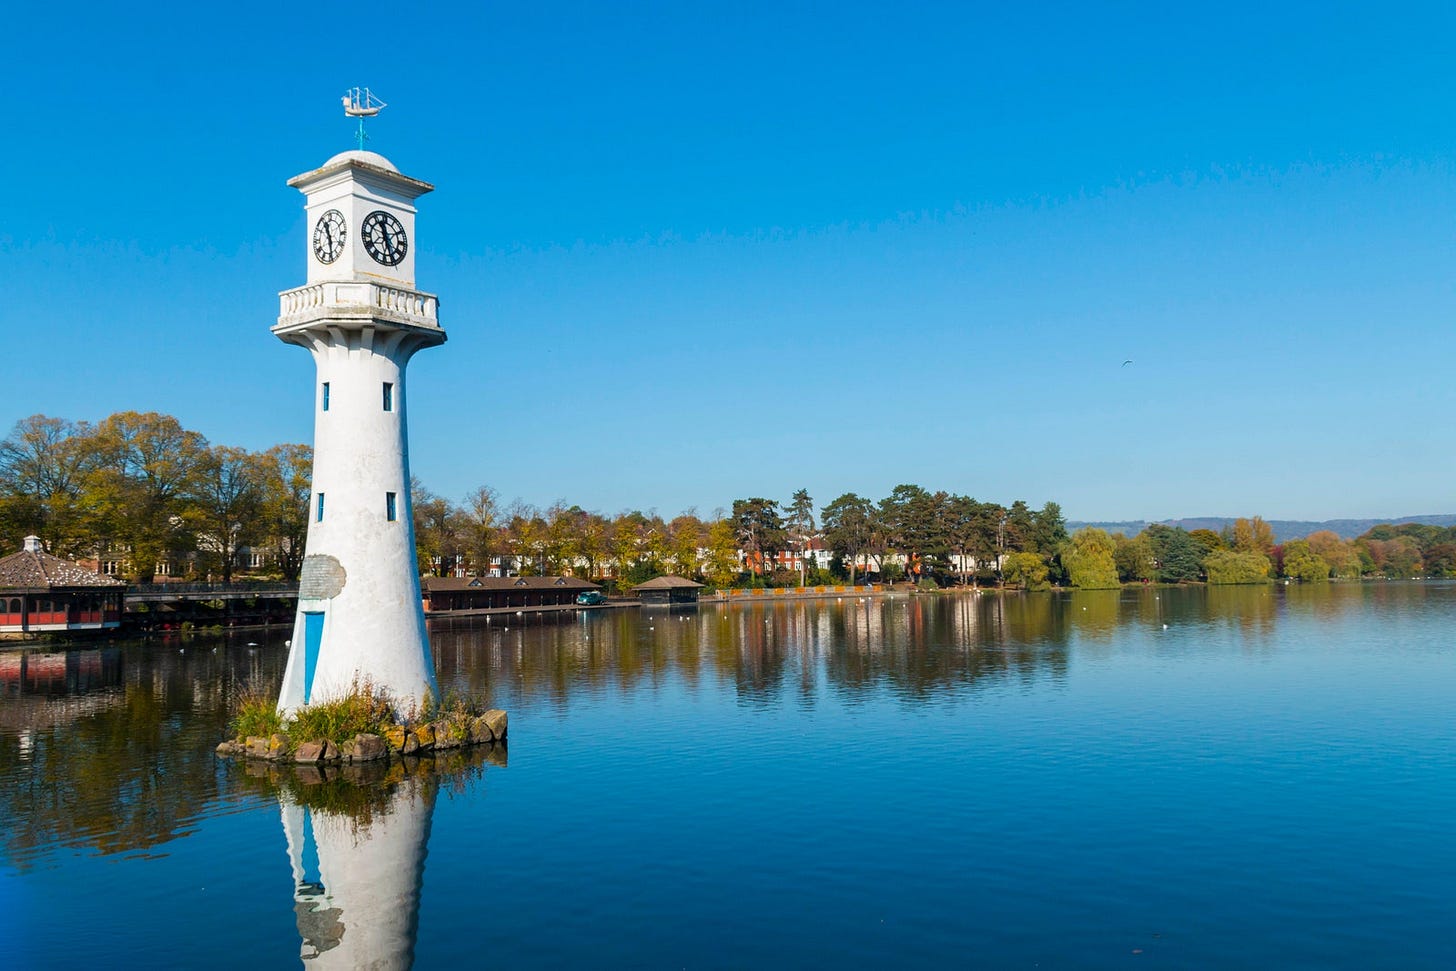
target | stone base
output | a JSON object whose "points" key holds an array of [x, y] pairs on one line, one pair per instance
{"points": [[397, 741]]}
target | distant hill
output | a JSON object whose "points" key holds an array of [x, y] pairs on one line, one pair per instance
{"points": [[1284, 529]]}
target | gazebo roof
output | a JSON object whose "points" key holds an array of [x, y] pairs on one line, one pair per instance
{"points": [[667, 583], [34, 569]]}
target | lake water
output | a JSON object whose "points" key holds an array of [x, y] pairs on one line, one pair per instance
{"points": [[1252, 777]]}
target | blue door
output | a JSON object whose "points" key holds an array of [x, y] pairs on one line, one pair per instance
{"points": [[313, 635]]}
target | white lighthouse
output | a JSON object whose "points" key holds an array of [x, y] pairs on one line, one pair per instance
{"points": [[359, 612]]}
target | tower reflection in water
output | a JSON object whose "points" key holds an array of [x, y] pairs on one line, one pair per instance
{"points": [[357, 839]]}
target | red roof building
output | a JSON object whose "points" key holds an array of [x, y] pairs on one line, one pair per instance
{"points": [[40, 593]]}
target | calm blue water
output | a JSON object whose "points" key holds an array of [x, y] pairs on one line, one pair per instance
{"points": [[1047, 780]]}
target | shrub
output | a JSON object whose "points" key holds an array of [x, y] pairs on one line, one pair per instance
{"points": [[255, 713], [364, 710]]}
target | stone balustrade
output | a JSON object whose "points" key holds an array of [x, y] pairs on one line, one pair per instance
{"points": [[358, 298]]}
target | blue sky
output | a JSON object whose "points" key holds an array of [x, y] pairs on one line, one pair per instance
{"points": [[690, 253]]}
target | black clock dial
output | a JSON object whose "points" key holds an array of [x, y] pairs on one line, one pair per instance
{"points": [[328, 236], [384, 238]]}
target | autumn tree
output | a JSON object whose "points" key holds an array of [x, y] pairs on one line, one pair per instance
{"points": [[146, 471], [227, 498], [480, 524], [43, 467], [1340, 554], [1397, 558], [1253, 535], [439, 538], [721, 566], [1208, 539], [285, 481], [686, 535]]}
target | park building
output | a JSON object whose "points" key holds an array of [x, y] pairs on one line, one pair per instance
{"points": [[442, 594], [668, 590], [40, 592]]}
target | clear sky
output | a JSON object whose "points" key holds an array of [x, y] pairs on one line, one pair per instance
{"points": [[691, 252]]}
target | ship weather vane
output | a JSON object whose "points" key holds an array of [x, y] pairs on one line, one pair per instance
{"points": [[360, 103]]}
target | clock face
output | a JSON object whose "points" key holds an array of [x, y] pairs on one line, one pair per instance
{"points": [[384, 238], [328, 236]]}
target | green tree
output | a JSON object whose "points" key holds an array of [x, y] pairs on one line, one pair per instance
{"points": [[1026, 570], [1134, 558], [1225, 566], [1089, 559], [1048, 529], [799, 525], [849, 528], [914, 525], [1018, 528], [966, 535], [1177, 554], [1300, 563], [760, 531]]}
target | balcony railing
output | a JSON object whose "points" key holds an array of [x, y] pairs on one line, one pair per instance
{"points": [[359, 298]]}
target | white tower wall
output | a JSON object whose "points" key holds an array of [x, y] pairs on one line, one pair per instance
{"points": [[360, 617]]}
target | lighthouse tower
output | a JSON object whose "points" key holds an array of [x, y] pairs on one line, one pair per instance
{"points": [[360, 316]]}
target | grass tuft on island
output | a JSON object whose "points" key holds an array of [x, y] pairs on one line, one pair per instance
{"points": [[364, 724]]}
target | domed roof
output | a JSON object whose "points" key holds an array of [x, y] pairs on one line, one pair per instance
{"points": [[368, 158]]}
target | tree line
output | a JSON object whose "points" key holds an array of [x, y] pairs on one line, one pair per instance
{"points": [[137, 490], [1245, 552]]}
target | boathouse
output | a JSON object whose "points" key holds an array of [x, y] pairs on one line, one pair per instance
{"points": [[667, 590], [487, 593], [40, 592]]}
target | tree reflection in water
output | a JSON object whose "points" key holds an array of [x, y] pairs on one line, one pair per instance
{"points": [[111, 749], [118, 757], [914, 646]]}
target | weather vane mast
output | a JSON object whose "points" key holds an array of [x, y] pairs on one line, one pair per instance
{"points": [[360, 103]]}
